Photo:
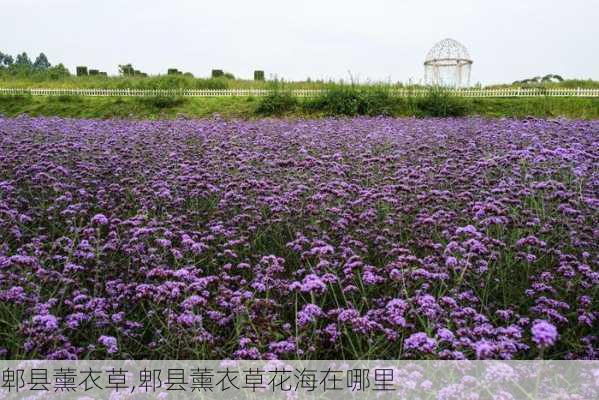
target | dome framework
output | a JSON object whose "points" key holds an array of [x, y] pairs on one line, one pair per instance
{"points": [[448, 64]]}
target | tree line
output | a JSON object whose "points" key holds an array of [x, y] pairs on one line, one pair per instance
{"points": [[22, 65]]}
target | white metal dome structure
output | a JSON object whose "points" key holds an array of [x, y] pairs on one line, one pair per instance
{"points": [[448, 64]]}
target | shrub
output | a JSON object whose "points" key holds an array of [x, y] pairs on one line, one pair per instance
{"points": [[352, 101], [81, 71], [219, 83], [258, 75], [126, 69], [438, 102], [277, 103], [129, 70], [173, 71], [217, 73], [57, 72], [94, 72], [161, 102], [338, 100], [377, 102]]}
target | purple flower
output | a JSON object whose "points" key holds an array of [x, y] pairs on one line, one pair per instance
{"points": [[420, 342], [73, 321], [313, 283], [192, 301], [15, 294], [47, 322], [396, 309], [100, 219], [358, 224], [308, 314], [162, 242], [451, 262], [188, 319], [544, 334], [110, 343], [332, 331], [484, 349], [24, 260], [445, 335], [282, 347]]}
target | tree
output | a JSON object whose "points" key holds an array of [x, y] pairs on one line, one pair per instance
{"points": [[81, 70], [8, 60], [127, 69], [5, 60], [23, 60], [58, 72], [41, 63]]}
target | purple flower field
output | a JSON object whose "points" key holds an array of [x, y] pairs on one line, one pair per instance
{"points": [[364, 238]]}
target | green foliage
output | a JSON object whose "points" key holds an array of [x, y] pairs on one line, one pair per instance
{"points": [[161, 102], [81, 70], [378, 101], [278, 102], [353, 100], [217, 73], [126, 69], [41, 63], [173, 71], [23, 61], [94, 72], [125, 107], [337, 100], [129, 70], [14, 104], [57, 72], [240, 107], [6, 60], [175, 82], [439, 102], [552, 78], [258, 75]]}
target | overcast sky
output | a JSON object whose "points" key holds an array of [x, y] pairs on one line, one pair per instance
{"points": [[296, 39]]}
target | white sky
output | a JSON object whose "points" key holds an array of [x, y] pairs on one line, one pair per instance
{"points": [[372, 39]]}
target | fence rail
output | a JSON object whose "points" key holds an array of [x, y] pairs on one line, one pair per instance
{"points": [[401, 92]]}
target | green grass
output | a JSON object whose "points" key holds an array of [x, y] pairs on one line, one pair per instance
{"points": [[250, 107], [127, 107], [545, 107], [46, 80], [566, 84], [151, 82]]}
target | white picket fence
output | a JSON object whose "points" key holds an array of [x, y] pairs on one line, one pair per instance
{"points": [[505, 92]]}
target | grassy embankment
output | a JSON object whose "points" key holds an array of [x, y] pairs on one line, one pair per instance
{"points": [[341, 100], [253, 107], [41, 80]]}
